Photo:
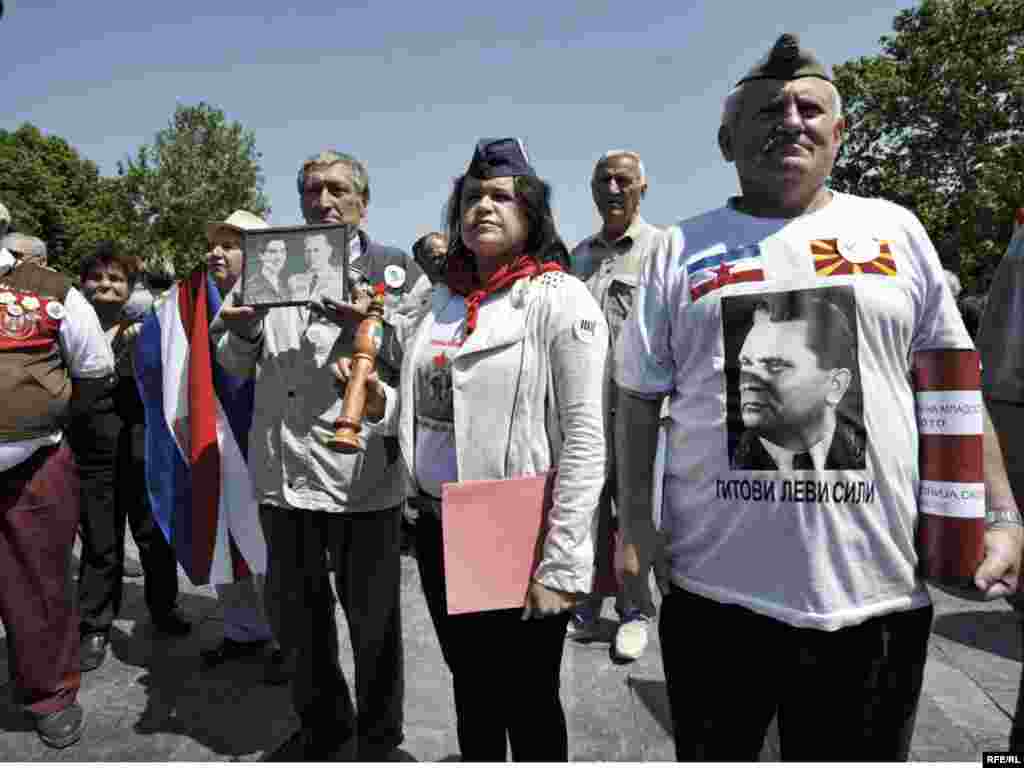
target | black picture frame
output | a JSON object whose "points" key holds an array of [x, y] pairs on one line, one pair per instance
{"points": [[296, 280]]}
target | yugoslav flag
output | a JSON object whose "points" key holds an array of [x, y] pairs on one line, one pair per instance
{"points": [[197, 429], [707, 273]]}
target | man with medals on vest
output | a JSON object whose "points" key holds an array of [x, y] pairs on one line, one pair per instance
{"points": [[54, 359]]}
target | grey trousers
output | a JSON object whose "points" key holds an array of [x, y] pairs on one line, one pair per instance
{"points": [[300, 605]]}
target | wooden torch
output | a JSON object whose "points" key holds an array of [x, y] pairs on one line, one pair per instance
{"points": [[367, 343]]}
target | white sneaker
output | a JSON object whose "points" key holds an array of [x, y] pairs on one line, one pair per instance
{"points": [[631, 639]]}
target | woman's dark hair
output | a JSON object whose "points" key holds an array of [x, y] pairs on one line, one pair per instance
{"points": [[109, 252], [534, 195]]}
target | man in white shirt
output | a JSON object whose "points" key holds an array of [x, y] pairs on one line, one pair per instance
{"points": [[790, 587], [610, 262]]}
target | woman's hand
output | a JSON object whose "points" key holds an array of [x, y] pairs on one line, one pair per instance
{"points": [[376, 398], [542, 601]]}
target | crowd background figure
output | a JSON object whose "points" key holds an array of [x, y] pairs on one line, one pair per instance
{"points": [[632, 318]]}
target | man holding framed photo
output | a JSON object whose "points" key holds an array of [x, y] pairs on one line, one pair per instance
{"points": [[314, 500]]}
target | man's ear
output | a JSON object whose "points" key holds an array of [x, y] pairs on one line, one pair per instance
{"points": [[841, 380], [838, 134], [725, 143], [643, 191]]}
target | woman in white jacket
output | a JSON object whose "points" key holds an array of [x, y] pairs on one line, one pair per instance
{"points": [[503, 378]]}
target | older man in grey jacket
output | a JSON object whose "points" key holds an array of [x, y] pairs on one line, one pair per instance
{"points": [[315, 501]]}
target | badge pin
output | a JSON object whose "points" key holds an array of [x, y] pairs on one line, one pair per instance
{"points": [[13, 310], [55, 310], [584, 329], [30, 302], [7, 298], [394, 276], [858, 251]]}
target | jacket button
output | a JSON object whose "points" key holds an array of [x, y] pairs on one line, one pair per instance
{"points": [[291, 393]]}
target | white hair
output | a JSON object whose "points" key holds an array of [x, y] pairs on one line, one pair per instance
{"points": [[624, 153], [733, 102]]}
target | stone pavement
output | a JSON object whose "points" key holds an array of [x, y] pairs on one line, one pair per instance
{"points": [[152, 701]]}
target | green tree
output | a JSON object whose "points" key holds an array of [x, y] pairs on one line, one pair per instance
{"points": [[199, 169], [54, 193], [936, 123]]}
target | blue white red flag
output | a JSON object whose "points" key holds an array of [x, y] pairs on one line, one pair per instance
{"points": [[710, 272], [197, 429]]}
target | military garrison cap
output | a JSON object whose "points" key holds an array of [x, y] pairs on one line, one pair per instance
{"points": [[787, 60], [494, 158]]}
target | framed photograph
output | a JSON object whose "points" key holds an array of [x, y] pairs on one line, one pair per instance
{"points": [[289, 266]]}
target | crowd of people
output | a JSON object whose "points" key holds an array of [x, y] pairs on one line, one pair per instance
{"points": [[749, 334]]}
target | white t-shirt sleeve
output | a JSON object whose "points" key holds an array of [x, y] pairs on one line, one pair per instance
{"points": [[939, 324], [85, 347], [644, 364]]}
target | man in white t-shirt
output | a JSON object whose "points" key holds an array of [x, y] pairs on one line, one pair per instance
{"points": [[796, 582]]}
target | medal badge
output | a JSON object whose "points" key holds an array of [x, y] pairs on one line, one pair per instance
{"points": [[17, 324], [858, 251], [394, 276], [55, 310]]}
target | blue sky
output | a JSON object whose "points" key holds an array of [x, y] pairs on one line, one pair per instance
{"points": [[408, 86]]}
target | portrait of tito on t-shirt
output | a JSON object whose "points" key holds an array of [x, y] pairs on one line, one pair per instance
{"points": [[793, 382]]}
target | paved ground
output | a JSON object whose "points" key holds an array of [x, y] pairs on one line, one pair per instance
{"points": [[152, 701]]}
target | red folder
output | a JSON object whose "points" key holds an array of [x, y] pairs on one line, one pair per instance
{"points": [[493, 533]]}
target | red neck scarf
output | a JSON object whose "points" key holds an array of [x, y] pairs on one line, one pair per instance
{"points": [[462, 278]]}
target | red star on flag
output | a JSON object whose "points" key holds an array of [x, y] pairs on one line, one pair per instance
{"points": [[723, 275]]}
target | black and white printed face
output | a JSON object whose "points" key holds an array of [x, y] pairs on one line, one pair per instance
{"points": [[318, 254], [792, 363], [274, 256], [782, 387]]}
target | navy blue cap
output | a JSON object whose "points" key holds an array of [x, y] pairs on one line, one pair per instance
{"points": [[494, 158]]}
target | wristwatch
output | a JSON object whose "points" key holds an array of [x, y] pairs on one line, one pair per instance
{"points": [[1003, 516]]}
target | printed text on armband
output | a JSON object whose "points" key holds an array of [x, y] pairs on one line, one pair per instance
{"points": [[949, 413], [806, 491], [952, 499]]}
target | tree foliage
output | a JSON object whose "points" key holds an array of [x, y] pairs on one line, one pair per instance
{"points": [[200, 168], [936, 123], [54, 193]]}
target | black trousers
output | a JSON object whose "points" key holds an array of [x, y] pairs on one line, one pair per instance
{"points": [[506, 672], [111, 460], [367, 577], [848, 695]]}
